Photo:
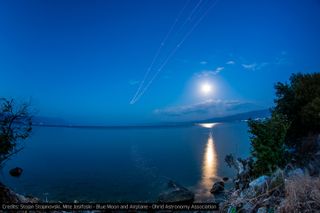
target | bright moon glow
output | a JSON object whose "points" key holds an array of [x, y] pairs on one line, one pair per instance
{"points": [[208, 125], [206, 88]]}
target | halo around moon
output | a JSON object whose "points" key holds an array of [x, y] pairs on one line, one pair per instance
{"points": [[206, 88]]}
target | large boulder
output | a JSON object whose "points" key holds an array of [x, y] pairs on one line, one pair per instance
{"points": [[16, 172], [217, 187], [176, 194]]}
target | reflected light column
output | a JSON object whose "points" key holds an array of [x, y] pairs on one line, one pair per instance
{"points": [[209, 169]]}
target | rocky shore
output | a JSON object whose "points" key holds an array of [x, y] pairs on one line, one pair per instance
{"points": [[295, 188], [9, 196]]}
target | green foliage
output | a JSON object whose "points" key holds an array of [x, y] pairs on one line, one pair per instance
{"points": [[15, 124], [299, 101], [268, 143], [297, 104]]}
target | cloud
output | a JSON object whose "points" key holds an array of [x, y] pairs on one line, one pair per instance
{"points": [[249, 66], [206, 73], [255, 66], [230, 62], [133, 82], [203, 62], [207, 109], [218, 69]]}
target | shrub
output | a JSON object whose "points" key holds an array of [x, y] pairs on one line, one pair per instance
{"points": [[268, 143], [302, 194], [299, 102]]}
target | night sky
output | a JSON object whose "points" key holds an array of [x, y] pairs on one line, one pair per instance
{"points": [[85, 60]]}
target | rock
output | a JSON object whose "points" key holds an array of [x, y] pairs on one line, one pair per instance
{"points": [[16, 172], [176, 194], [247, 207], [240, 167], [225, 179], [262, 210], [235, 194], [9, 196], [277, 179], [259, 182], [296, 172], [217, 187], [256, 187]]}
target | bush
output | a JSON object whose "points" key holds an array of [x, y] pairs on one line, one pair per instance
{"points": [[299, 102], [268, 143], [15, 124], [302, 194]]}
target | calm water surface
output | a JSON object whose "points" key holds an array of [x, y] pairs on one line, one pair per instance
{"points": [[130, 164]]}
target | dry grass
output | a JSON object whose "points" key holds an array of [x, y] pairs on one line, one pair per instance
{"points": [[302, 194]]}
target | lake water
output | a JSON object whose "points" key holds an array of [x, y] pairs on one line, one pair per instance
{"points": [[129, 164]]}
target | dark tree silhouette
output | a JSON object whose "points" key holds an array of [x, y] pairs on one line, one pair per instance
{"points": [[299, 101], [15, 126]]}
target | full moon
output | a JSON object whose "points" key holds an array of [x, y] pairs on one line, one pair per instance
{"points": [[206, 88]]}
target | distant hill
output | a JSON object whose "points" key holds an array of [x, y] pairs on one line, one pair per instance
{"points": [[49, 121], [241, 116], [42, 120]]}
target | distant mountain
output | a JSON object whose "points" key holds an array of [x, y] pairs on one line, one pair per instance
{"points": [[239, 117], [42, 120], [51, 121]]}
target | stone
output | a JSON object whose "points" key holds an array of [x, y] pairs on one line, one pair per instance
{"points": [[277, 179], [217, 187], [225, 179], [256, 187], [259, 182], [240, 167], [262, 210], [296, 173], [247, 207], [16, 172], [235, 194]]}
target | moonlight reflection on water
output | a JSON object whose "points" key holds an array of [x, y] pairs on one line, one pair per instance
{"points": [[209, 169], [208, 125]]}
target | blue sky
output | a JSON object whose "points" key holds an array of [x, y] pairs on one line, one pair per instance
{"points": [[84, 60]]}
